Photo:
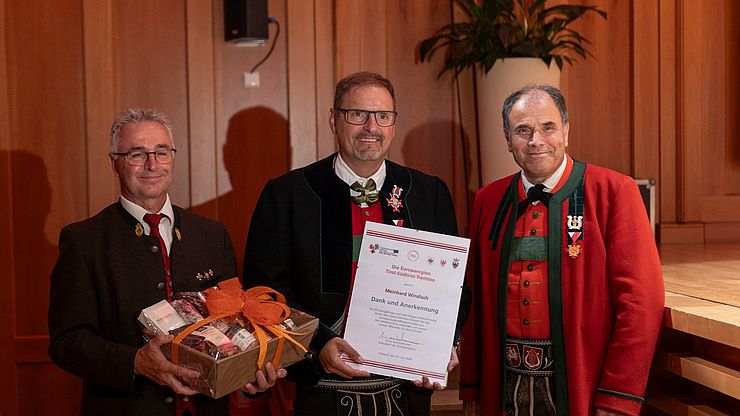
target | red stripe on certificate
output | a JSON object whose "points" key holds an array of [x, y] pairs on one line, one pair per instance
{"points": [[387, 366], [434, 244]]}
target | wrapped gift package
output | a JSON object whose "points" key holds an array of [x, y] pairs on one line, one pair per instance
{"points": [[228, 344]]}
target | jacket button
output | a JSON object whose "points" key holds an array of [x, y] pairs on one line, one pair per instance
{"points": [[526, 283], [536, 214], [525, 302], [525, 321], [154, 249], [530, 267], [169, 399], [532, 232], [160, 285]]}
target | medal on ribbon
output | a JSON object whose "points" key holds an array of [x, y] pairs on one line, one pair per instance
{"points": [[576, 203], [395, 199], [575, 232], [574, 250]]}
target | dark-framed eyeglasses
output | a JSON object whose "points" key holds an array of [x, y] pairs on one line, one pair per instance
{"points": [[137, 157], [360, 117]]}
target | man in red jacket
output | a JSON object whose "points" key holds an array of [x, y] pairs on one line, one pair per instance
{"points": [[567, 285]]}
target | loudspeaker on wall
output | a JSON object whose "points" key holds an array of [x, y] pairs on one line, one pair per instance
{"points": [[245, 20]]}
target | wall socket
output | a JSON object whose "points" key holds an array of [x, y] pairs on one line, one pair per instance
{"points": [[251, 79]]}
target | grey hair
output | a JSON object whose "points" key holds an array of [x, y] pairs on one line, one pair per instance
{"points": [[137, 115], [553, 92]]}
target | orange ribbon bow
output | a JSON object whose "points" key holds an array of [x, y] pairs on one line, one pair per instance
{"points": [[263, 307]]}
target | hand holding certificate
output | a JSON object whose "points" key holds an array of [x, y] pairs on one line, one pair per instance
{"points": [[405, 300]]}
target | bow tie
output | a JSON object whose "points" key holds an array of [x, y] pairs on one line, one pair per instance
{"points": [[535, 193], [368, 193]]}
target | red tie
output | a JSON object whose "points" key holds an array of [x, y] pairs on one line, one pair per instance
{"points": [[183, 403], [153, 221]]}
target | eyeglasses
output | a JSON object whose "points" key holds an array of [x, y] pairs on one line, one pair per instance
{"points": [[164, 155], [360, 117]]}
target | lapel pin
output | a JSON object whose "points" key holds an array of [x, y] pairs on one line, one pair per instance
{"points": [[395, 199]]}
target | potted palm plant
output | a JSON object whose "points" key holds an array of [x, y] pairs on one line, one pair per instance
{"points": [[510, 43]]}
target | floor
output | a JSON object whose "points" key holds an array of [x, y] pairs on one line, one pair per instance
{"points": [[706, 271]]}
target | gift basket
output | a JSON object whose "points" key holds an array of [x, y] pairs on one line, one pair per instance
{"points": [[226, 334]]}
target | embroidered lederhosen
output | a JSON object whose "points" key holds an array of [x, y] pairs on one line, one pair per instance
{"points": [[529, 373], [529, 357]]}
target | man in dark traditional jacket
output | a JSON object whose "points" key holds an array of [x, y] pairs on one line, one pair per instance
{"points": [[567, 285], [131, 255], [305, 238]]}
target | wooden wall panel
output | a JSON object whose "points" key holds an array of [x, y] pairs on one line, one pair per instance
{"points": [[691, 86], [464, 93], [374, 38], [47, 142], [361, 36], [704, 141], [99, 106], [699, 106], [424, 104], [667, 181], [47, 390], [150, 58], [464, 112], [9, 382], [35, 252], [598, 90], [201, 102], [305, 118], [8, 366], [645, 96], [349, 38], [712, 136], [45, 161], [326, 77], [722, 208], [732, 95]]}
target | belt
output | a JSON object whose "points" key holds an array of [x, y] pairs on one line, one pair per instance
{"points": [[531, 357]]}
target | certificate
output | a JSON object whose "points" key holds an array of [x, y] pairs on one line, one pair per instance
{"points": [[405, 299]]}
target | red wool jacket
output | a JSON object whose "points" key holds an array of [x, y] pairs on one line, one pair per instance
{"points": [[606, 303]]}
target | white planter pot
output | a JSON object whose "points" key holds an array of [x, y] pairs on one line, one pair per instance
{"points": [[505, 77]]}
